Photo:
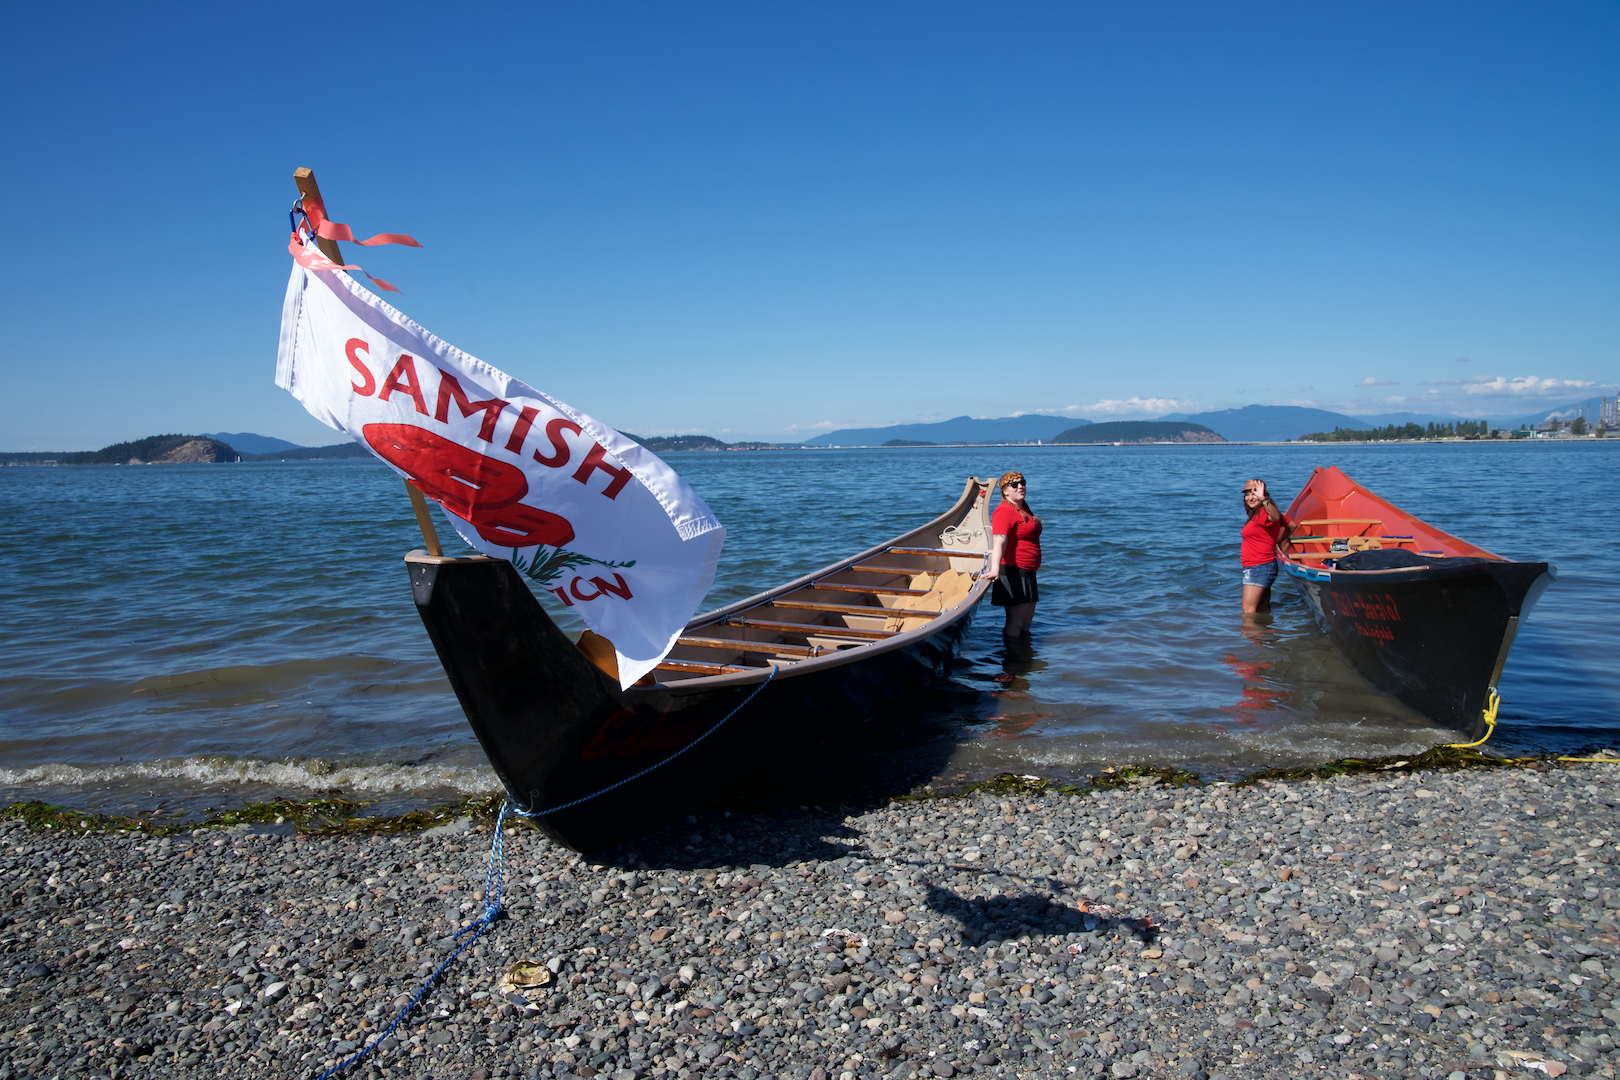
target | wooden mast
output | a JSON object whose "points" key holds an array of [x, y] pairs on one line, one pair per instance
{"points": [[311, 192]]}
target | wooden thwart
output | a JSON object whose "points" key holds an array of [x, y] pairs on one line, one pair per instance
{"points": [[767, 647], [876, 590], [846, 609], [898, 571], [1338, 521], [813, 629], [937, 551], [1333, 555], [701, 668]]}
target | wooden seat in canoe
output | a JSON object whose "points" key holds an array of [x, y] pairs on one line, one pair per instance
{"points": [[811, 629], [874, 590], [1365, 523], [873, 568], [767, 648], [869, 610], [695, 667]]}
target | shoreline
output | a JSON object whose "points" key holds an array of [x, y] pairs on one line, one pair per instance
{"points": [[332, 816], [1391, 922]]}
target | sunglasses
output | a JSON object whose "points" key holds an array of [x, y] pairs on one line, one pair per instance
{"points": [[1015, 483]]}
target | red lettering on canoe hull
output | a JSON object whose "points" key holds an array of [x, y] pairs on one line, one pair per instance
{"points": [[616, 736]]}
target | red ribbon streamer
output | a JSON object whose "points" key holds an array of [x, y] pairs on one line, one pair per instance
{"points": [[327, 229], [312, 259]]}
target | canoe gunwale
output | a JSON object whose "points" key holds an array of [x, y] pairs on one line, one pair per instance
{"points": [[838, 657], [934, 624]]}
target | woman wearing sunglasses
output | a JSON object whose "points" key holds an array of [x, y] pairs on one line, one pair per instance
{"points": [[1015, 555], [1265, 527]]}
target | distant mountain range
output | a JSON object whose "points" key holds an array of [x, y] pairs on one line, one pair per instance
{"points": [[336, 452], [245, 442], [664, 444], [1252, 423], [962, 429], [1269, 423], [1588, 408], [1116, 432]]}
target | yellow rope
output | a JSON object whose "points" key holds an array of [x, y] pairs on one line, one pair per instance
{"points": [[1490, 724], [1490, 729]]}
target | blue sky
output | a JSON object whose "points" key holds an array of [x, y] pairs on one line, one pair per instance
{"points": [[769, 220]]}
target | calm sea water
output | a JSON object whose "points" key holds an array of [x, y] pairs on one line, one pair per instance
{"points": [[182, 637]]}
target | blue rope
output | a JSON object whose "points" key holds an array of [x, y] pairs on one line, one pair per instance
{"points": [[492, 880], [661, 764], [492, 909]]}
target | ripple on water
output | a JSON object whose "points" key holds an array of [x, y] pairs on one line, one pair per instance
{"points": [[264, 620]]}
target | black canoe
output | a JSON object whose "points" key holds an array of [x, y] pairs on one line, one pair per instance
{"points": [[1426, 617], [825, 653]]}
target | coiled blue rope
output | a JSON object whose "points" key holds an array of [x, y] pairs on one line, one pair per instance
{"points": [[492, 881]]}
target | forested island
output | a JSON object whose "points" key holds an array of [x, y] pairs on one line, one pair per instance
{"points": [[1140, 431], [180, 450], [1465, 429], [663, 444]]}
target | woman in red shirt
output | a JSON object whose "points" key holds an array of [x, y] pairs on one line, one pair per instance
{"points": [[1265, 526], [1015, 555]]}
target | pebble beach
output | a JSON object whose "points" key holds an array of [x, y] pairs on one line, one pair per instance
{"points": [[1442, 924]]}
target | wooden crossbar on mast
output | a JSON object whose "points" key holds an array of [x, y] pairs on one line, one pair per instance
{"points": [[310, 192]]}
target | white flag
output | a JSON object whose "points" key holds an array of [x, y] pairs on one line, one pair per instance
{"points": [[594, 517]]}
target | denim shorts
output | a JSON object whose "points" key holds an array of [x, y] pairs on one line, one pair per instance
{"points": [[1262, 575]]}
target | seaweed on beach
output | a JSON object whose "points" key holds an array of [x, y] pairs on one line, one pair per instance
{"points": [[340, 817], [1436, 757], [1001, 784], [482, 808], [1144, 776], [311, 817]]}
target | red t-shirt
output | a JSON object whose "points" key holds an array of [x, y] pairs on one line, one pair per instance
{"points": [[1023, 545], [1260, 539]]}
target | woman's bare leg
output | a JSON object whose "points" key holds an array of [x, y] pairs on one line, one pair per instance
{"points": [[1256, 600], [1019, 616]]}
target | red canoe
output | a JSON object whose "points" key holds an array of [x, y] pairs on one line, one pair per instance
{"points": [[1426, 617]]}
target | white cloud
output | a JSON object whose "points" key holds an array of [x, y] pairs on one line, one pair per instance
{"points": [[1132, 406], [1518, 386], [1526, 385], [1304, 403], [1370, 381]]}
